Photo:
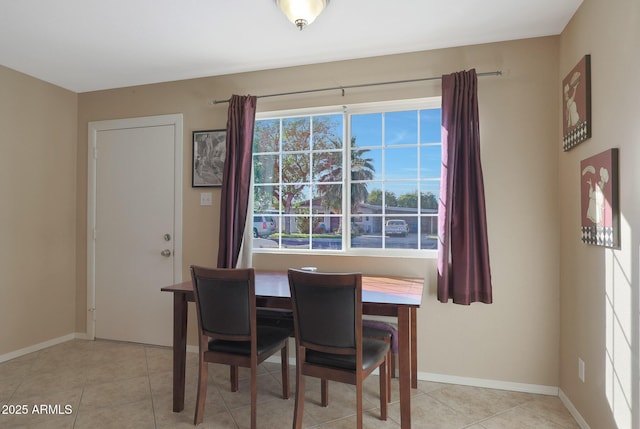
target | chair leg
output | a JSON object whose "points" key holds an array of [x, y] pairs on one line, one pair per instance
{"points": [[284, 358], [233, 377], [298, 411], [254, 395], [359, 401], [324, 392], [384, 389], [201, 395], [387, 373], [393, 365]]}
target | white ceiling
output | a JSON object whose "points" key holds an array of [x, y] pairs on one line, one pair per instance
{"points": [[86, 45]]}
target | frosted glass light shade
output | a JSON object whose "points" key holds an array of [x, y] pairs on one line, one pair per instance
{"points": [[302, 12]]}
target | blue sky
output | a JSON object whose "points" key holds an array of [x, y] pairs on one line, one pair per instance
{"points": [[402, 131]]}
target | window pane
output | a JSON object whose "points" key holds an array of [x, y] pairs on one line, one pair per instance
{"points": [[366, 130], [264, 225], [295, 168], [400, 232], [429, 193], [322, 236], [401, 128], [408, 200], [366, 164], [374, 194], [265, 243], [360, 194], [327, 132], [265, 199], [266, 136], [327, 225], [430, 161], [401, 163], [429, 232], [295, 133], [265, 169], [327, 199], [288, 226], [365, 232], [430, 126], [400, 194], [300, 197], [327, 166]]}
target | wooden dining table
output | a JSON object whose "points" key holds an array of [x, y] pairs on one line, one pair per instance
{"points": [[381, 296]]}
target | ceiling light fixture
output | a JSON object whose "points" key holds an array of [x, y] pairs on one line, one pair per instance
{"points": [[302, 12]]}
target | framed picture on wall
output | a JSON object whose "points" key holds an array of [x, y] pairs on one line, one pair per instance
{"points": [[576, 112], [209, 151], [599, 199]]}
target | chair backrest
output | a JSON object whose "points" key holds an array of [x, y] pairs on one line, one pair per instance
{"points": [[327, 310], [225, 301]]}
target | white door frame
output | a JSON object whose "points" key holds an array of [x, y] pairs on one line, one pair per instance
{"points": [[174, 120]]}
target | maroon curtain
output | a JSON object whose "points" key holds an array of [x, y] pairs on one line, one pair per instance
{"points": [[464, 274], [237, 179]]}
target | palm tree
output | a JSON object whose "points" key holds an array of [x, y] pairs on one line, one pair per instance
{"points": [[330, 168], [362, 169]]}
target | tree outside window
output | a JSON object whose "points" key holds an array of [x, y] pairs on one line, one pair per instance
{"points": [[393, 160]]}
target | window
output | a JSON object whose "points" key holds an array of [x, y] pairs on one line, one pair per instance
{"points": [[385, 200]]}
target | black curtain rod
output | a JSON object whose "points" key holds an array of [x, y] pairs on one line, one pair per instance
{"points": [[342, 88]]}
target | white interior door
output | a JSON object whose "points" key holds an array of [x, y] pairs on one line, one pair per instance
{"points": [[136, 233]]}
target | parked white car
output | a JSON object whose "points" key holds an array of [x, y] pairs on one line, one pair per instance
{"points": [[263, 226], [396, 227]]}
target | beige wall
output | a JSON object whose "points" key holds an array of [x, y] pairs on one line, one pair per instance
{"points": [[599, 287], [37, 216], [516, 339]]}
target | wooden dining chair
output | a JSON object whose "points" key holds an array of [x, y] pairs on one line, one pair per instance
{"points": [[327, 315], [228, 332]]}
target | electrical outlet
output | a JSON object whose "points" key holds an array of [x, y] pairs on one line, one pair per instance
{"points": [[581, 369], [206, 199]]}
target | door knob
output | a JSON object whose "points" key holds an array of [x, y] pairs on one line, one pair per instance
{"points": [[166, 252]]}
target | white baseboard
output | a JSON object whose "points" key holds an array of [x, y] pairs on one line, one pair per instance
{"points": [[82, 336], [467, 381], [574, 412], [36, 347], [538, 389]]}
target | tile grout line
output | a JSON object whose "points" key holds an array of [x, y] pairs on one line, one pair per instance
{"points": [[153, 406]]}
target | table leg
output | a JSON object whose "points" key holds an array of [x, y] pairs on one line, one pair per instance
{"points": [[179, 350], [414, 348], [404, 364]]}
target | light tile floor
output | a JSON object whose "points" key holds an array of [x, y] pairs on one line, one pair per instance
{"points": [[105, 384]]}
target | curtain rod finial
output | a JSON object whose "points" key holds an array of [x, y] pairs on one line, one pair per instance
{"points": [[214, 102]]}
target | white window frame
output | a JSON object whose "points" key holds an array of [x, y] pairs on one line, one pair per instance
{"points": [[347, 111]]}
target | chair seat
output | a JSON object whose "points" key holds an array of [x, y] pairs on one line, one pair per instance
{"points": [[372, 351], [371, 332], [375, 326], [268, 338]]}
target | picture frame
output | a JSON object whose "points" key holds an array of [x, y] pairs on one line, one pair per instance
{"points": [[576, 111], [209, 152], [599, 199]]}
